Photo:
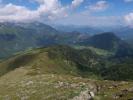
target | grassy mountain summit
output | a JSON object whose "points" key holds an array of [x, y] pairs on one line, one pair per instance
{"points": [[56, 59], [62, 59], [57, 72]]}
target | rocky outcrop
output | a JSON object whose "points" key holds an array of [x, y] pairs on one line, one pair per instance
{"points": [[85, 95], [123, 93]]}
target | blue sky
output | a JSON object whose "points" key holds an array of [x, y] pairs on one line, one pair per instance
{"points": [[116, 6], [78, 12]]}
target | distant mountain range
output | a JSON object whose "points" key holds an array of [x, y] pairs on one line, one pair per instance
{"points": [[18, 36], [125, 33], [15, 37], [80, 29], [107, 41]]}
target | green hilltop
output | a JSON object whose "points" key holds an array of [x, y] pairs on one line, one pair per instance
{"points": [[60, 73]]}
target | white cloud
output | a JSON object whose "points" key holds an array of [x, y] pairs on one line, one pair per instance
{"points": [[128, 0], [129, 19], [12, 12], [48, 10], [76, 3], [53, 10], [90, 20], [99, 6]]}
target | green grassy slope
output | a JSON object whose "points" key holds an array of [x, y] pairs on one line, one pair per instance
{"points": [[123, 71], [56, 59], [17, 37], [57, 73]]}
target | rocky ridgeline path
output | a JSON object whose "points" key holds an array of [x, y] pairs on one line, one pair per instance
{"points": [[107, 90], [19, 85]]}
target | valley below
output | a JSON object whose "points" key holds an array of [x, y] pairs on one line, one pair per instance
{"points": [[39, 62]]}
